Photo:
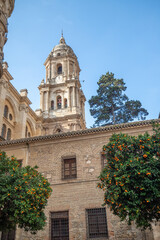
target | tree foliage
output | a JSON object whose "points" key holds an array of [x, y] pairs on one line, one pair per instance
{"points": [[111, 105], [23, 196], [131, 178]]}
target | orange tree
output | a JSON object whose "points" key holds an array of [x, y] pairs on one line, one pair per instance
{"points": [[23, 196], [131, 178]]}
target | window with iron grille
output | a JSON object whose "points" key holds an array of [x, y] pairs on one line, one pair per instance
{"points": [[97, 223], [10, 235], [20, 161], [103, 159], [69, 168], [59, 226]]}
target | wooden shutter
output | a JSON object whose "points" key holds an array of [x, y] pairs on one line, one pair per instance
{"points": [[70, 168]]}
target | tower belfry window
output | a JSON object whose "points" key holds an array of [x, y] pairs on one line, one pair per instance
{"points": [[65, 102], [52, 105], [59, 69], [59, 102]]}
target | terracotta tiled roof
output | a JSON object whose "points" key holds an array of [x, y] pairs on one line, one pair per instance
{"points": [[85, 132]]}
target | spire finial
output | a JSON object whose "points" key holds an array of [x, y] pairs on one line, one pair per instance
{"points": [[62, 40]]}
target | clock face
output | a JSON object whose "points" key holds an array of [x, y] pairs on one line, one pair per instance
{"points": [[59, 79]]}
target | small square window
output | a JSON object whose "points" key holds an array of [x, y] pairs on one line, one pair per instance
{"points": [[97, 223], [69, 169]]}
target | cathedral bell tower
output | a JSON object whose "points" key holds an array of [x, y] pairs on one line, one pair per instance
{"points": [[62, 102]]}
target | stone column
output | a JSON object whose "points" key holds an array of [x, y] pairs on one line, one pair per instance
{"points": [[46, 73], [68, 71], [47, 96], [55, 101], [77, 97], [74, 103], [49, 102], [42, 101], [41, 96], [69, 98], [53, 70], [63, 100]]}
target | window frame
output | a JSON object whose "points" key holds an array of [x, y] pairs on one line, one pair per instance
{"points": [[9, 134], [59, 69], [20, 162], [6, 111], [59, 217], [99, 234], [71, 159], [103, 159], [4, 131], [59, 102]]}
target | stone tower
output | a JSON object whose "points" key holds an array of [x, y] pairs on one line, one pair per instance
{"points": [[62, 102], [6, 8]]}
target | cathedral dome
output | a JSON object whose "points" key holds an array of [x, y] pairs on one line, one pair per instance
{"points": [[62, 49]]}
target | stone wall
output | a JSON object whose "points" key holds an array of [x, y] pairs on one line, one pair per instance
{"points": [[75, 195]]}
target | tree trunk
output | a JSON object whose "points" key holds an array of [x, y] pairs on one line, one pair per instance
{"points": [[113, 114]]}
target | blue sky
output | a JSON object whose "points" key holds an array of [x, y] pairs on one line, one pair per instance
{"points": [[119, 36]]}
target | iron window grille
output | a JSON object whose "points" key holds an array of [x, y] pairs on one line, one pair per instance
{"points": [[59, 226], [20, 162], [97, 223], [10, 235]]}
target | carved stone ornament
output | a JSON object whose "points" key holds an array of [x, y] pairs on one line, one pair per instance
{"points": [[23, 107], [57, 128], [4, 83]]}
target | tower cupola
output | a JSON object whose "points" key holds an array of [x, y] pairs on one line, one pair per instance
{"points": [[61, 96]]}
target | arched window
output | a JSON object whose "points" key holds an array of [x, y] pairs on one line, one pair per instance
{"points": [[59, 69], [3, 134], [65, 102], [58, 130], [29, 134], [26, 132], [9, 134], [10, 117], [59, 102], [5, 111], [52, 105]]}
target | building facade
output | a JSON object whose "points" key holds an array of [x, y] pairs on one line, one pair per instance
{"points": [[55, 138]]}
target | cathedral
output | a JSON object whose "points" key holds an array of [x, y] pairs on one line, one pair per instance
{"points": [[69, 155], [62, 102]]}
